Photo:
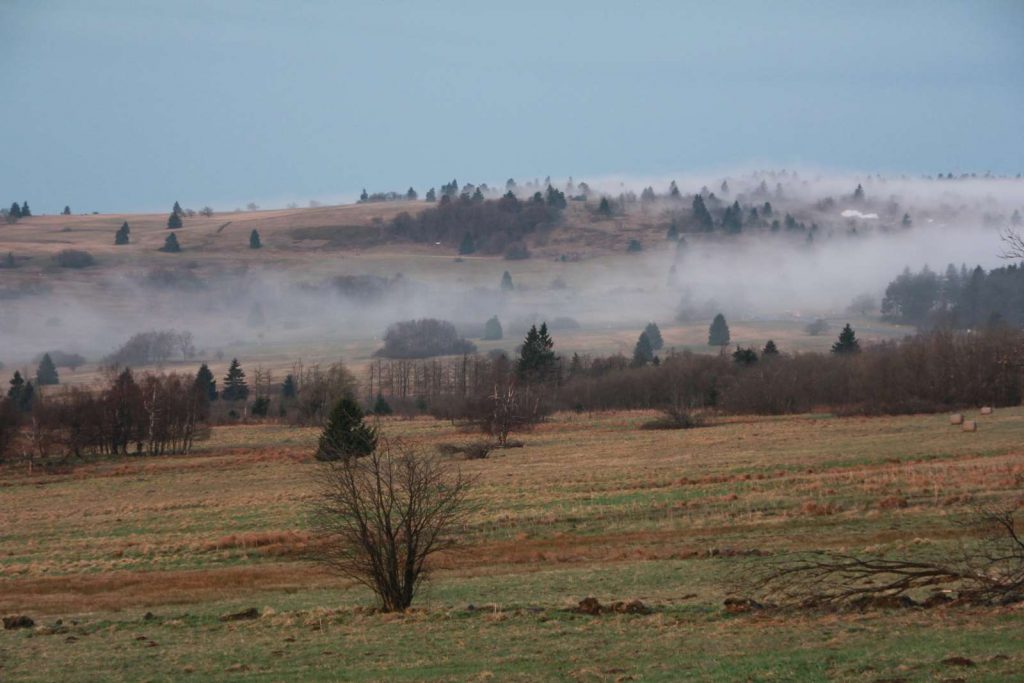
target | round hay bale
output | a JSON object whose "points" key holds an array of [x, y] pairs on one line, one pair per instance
{"points": [[970, 426], [986, 410], [956, 419]]}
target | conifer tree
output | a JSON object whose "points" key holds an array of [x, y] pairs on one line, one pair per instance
{"points": [[411, 195], [66, 211], [121, 236], [25, 211], [847, 342], [254, 239], [673, 191], [206, 383], [673, 232], [364, 196], [288, 388], [858, 194], [235, 387], [743, 356], [770, 349], [46, 373], [654, 335], [718, 333], [431, 195], [701, 215], [171, 245], [492, 329], [506, 281], [381, 406], [15, 211], [177, 209], [643, 352], [605, 207], [174, 221], [537, 360], [346, 434], [467, 246]]}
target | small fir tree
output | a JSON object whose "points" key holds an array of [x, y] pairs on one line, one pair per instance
{"points": [[174, 221], [346, 434], [847, 342], [206, 383], [254, 239], [643, 351], [235, 386], [171, 245], [46, 373], [506, 281], [492, 329], [654, 335], [718, 333]]}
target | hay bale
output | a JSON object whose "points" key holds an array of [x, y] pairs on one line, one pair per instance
{"points": [[986, 410], [970, 426], [956, 419]]}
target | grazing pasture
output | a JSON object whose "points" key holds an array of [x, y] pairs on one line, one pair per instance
{"points": [[128, 566]]}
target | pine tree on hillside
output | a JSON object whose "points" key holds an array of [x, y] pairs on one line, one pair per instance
{"points": [[177, 209], [206, 383], [701, 216], [121, 236], [673, 191], [506, 281], [174, 221], [858, 194], [21, 393], [254, 239], [363, 196], [46, 373], [346, 434], [15, 211], [25, 211], [467, 246], [643, 352], [847, 342], [718, 333], [770, 349], [235, 387], [431, 195], [605, 207], [66, 211], [171, 245]]}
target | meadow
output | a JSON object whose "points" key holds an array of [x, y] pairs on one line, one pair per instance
{"points": [[128, 566]]}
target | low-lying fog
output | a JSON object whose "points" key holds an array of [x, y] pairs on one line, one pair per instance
{"points": [[757, 274]]}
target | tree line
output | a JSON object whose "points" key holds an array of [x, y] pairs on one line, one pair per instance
{"points": [[959, 298]]}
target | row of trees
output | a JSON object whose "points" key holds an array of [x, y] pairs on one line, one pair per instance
{"points": [[958, 298], [151, 415]]}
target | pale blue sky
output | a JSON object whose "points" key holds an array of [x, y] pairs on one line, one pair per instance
{"points": [[129, 105]]}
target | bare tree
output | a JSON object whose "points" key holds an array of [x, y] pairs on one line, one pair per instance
{"points": [[511, 408], [1013, 244], [987, 568], [384, 515]]}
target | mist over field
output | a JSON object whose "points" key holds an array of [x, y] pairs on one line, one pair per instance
{"points": [[844, 248]]}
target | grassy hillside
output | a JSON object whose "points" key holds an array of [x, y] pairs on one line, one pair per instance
{"points": [[592, 506]]}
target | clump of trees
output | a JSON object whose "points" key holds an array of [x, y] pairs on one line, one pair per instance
{"points": [[959, 298], [474, 224], [424, 338], [156, 346], [151, 415]]}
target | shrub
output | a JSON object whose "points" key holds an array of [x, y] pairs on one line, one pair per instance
{"points": [[74, 258]]}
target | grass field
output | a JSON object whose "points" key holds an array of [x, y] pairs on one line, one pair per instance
{"points": [[591, 506]]}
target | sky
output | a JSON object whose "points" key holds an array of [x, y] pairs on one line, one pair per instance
{"points": [[129, 105]]}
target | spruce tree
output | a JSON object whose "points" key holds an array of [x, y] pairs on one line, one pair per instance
{"points": [[288, 388], [121, 236], [66, 211], [506, 281], [363, 196], [467, 246], [381, 406], [174, 221], [346, 434], [25, 211], [492, 329], [770, 349], [673, 232], [643, 352], [718, 333], [171, 245], [858, 194], [254, 239], [673, 191], [701, 215], [537, 360], [21, 393], [46, 373], [206, 383], [235, 387], [15, 211], [605, 207], [654, 335], [847, 342], [177, 209], [431, 195]]}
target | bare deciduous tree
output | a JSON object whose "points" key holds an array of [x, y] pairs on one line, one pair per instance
{"points": [[384, 515], [988, 567], [1013, 244]]}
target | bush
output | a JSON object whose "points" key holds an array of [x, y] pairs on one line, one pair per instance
{"points": [[424, 338], [675, 418], [74, 258]]}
